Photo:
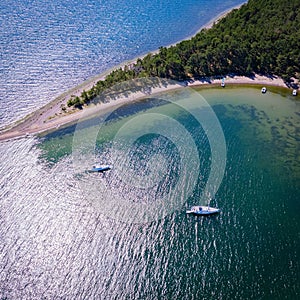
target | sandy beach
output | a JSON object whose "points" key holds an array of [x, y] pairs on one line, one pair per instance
{"points": [[51, 115]]}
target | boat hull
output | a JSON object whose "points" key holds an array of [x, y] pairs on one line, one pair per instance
{"points": [[100, 169], [203, 210]]}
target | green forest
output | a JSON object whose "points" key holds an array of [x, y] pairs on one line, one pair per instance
{"points": [[261, 37]]}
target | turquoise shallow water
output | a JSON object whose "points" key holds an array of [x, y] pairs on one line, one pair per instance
{"points": [[57, 244], [58, 238]]}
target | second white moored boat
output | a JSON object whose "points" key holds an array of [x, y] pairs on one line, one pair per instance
{"points": [[223, 82], [100, 168], [203, 210]]}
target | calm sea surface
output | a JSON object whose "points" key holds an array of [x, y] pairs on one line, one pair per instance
{"points": [[60, 239], [68, 234]]}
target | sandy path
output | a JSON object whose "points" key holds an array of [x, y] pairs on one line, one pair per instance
{"points": [[256, 79]]}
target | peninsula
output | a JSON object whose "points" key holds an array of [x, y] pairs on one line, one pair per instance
{"points": [[257, 43]]}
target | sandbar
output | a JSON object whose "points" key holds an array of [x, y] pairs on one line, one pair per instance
{"points": [[51, 115]]}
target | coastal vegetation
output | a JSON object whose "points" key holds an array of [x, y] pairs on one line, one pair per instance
{"points": [[261, 37]]}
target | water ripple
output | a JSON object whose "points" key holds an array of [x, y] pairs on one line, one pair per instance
{"points": [[47, 47]]}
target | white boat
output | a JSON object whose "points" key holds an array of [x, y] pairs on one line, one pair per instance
{"points": [[294, 92], [223, 82], [203, 210], [264, 90], [100, 168]]}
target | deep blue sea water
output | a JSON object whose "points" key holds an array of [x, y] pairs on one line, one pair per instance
{"points": [[55, 243], [69, 234], [47, 47]]}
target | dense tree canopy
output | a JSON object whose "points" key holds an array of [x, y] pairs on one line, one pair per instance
{"points": [[261, 37]]}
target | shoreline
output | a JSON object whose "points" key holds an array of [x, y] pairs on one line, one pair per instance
{"points": [[35, 125], [50, 116]]}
